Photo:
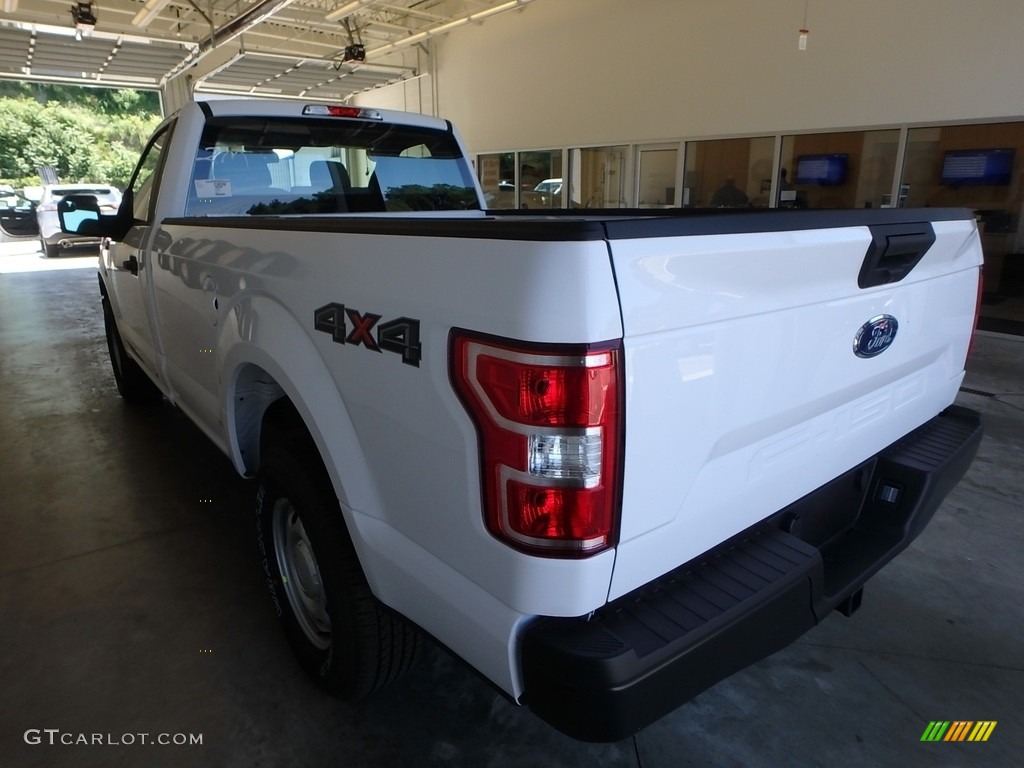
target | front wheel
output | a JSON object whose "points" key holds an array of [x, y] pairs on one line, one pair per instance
{"points": [[343, 637], [132, 382]]}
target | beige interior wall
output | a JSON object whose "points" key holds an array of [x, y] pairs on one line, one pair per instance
{"points": [[413, 95], [571, 72]]}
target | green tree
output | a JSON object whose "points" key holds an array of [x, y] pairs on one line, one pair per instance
{"points": [[108, 101], [32, 137], [92, 135]]}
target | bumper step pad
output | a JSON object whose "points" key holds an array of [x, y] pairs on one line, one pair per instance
{"points": [[604, 677]]}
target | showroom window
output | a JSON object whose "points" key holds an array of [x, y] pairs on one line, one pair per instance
{"points": [[529, 179], [656, 176], [540, 179], [728, 173], [978, 167], [599, 177], [497, 173], [850, 169]]}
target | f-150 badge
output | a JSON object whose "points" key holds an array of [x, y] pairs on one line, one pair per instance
{"points": [[875, 336], [401, 335]]}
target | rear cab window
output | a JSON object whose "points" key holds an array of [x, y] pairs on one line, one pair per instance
{"points": [[288, 166]]}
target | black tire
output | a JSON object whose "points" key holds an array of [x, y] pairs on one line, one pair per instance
{"points": [[346, 640], [50, 250], [132, 382]]}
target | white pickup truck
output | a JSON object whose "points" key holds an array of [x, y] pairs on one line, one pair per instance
{"points": [[607, 458]]}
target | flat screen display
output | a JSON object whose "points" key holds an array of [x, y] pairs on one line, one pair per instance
{"points": [[824, 170], [977, 167]]}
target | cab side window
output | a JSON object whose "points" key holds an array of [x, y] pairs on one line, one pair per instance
{"points": [[143, 184]]}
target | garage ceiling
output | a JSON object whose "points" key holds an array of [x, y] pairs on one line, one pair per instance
{"points": [[270, 48]]}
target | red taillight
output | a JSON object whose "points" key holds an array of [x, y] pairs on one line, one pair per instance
{"points": [[549, 421]]}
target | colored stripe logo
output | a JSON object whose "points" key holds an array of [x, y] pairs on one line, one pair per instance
{"points": [[959, 730]]}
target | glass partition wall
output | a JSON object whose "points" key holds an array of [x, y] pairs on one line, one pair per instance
{"points": [[521, 179], [657, 172], [599, 177], [976, 166], [851, 169], [498, 179], [728, 173]]}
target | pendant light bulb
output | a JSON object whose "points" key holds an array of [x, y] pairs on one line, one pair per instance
{"points": [[801, 42]]}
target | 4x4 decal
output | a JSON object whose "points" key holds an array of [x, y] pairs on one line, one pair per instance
{"points": [[401, 335]]}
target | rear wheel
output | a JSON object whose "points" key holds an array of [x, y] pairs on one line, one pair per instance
{"points": [[50, 250], [343, 637], [132, 382]]}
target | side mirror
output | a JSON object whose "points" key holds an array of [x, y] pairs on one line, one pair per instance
{"points": [[80, 215], [78, 211]]}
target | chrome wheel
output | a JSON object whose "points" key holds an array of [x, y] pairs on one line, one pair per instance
{"points": [[300, 574]]}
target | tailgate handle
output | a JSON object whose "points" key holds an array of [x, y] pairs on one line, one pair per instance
{"points": [[894, 251]]}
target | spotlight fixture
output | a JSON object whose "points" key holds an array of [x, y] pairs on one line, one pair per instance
{"points": [[354, 53], [84, 18]]}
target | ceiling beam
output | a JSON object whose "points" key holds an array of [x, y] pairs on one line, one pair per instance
{"points": [[448, 26], [243, 22], [148, 12], [347, 9]]}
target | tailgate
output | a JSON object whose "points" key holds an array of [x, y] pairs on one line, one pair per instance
{"points": [[744, 392]]}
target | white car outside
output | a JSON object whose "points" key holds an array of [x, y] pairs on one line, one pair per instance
{"points": [[52, 240]]}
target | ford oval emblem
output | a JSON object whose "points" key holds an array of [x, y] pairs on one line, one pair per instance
{"points": [[875, 336]]}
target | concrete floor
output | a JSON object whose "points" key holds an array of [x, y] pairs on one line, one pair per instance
{"points": [[129, 605]]}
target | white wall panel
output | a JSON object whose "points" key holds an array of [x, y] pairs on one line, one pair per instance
{"points": [[570, 72]]}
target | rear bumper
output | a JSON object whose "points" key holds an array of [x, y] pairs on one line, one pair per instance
{"points": [[641, 656], [71, 241], [51, 233]]}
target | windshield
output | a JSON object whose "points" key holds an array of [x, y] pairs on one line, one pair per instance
{"points": [[279, 166]]}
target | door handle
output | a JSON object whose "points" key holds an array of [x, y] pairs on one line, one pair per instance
{"points": [[132, 264], [894, 251]]}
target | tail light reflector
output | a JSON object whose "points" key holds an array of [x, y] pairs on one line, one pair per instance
{"points": [[549, 422]]}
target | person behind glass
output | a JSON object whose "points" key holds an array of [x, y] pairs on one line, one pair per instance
{"points": [[729, 195], [787, 192]]}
